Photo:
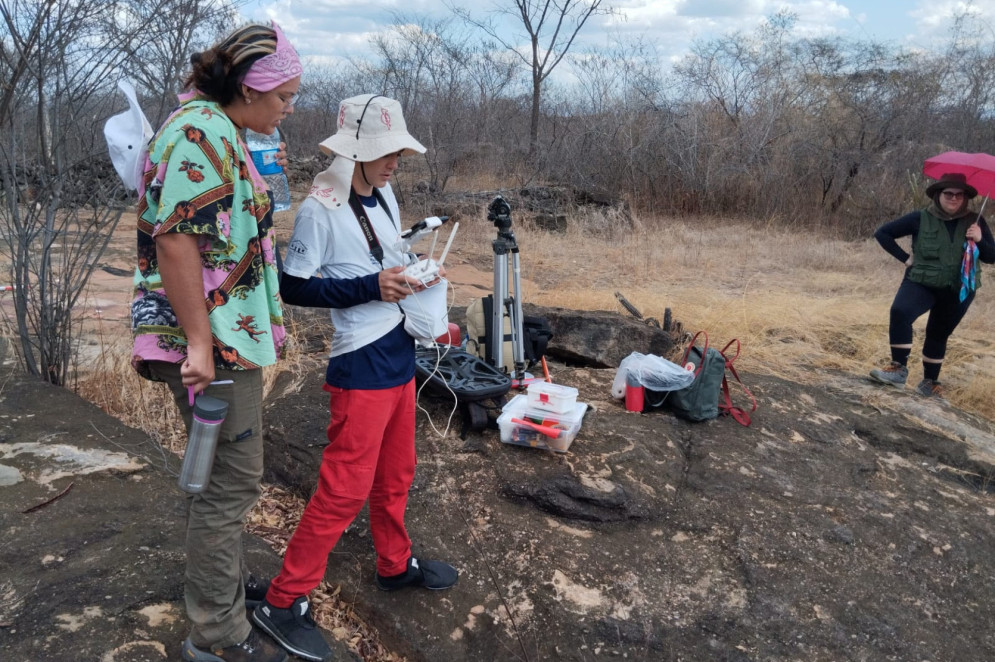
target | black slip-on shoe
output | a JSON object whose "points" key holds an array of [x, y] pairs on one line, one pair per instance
{"points": [[294, 629], [255, 592], [433, 575]]}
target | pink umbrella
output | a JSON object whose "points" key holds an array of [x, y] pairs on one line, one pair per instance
{"points": [[979, 169]]}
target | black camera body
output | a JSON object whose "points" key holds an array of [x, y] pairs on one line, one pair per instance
{"points": [[499, 213]]}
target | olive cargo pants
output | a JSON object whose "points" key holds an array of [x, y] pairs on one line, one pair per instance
{"points": [[215, 591]]}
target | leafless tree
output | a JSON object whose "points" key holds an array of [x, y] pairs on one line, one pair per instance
{"points": [[54, 221], [550, 28], [745, 89], [448, 86], [60, 198], [967, 71], [179, 27], [616, 116]]}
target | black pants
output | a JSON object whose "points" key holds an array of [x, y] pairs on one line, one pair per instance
{"points": [[945, 313]]}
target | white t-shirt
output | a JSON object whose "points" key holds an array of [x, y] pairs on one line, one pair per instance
{"points": [[331, 243]]}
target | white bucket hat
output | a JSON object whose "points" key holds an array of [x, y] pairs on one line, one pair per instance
{"points": [[128, 135], [371, 126]]}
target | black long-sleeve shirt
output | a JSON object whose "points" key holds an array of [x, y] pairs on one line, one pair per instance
{"points": [[908, 225], [317, 292]]}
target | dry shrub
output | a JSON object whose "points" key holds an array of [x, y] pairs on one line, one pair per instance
{"points": [[799, 301], [114, 386], [480, 180], [608, 224]]}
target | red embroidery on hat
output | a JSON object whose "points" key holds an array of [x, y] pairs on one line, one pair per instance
{"points": [[323, 192], [341, 115], [385, 117]]}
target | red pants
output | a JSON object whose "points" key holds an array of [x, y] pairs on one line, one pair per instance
{"points": [[371, 455]]}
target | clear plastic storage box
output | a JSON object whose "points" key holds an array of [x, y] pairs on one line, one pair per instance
{"points": [[522, 425], [554, 398]]}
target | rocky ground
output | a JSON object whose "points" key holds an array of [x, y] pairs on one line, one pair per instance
{"points": [[847, 522]]}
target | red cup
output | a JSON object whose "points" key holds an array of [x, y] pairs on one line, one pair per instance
{"points": [[451, 336], [633, 398]]}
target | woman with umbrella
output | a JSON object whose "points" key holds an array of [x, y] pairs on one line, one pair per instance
{"points": [[940, 277]]}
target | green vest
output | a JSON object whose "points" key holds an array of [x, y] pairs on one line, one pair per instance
{"points": [[937, 258]]}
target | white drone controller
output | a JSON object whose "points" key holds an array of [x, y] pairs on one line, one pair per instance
{"points": [[426, 270]]}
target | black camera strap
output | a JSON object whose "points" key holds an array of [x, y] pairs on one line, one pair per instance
{"points": [[376, 250]]}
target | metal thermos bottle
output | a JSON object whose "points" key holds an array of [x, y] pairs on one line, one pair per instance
{"points": [[208, 415]]}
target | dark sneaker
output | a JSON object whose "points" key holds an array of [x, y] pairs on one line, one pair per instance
{"points": [[254, 649], [433, 575], [929, 388], [294, 629], [894, 373], [255, 591]]}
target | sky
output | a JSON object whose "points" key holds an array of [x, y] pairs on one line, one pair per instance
{"points": [[325, 30]]}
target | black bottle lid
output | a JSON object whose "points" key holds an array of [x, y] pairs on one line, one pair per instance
{"points": [[208, 408]]}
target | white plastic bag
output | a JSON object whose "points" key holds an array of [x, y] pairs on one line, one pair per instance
{"points": [[426, 313], [652, 372]]}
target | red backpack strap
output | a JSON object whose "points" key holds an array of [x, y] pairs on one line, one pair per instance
{"points": [[725, 351], [726, 407], [704, 350]]}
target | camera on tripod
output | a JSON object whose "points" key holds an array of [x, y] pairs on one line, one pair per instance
{"points": [[499, 213]]}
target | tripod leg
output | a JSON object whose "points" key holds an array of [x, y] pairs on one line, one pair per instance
{"points": [[517, 346], [496, 348]]}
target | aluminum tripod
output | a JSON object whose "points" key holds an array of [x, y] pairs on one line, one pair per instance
{"points": [[507, 302]]}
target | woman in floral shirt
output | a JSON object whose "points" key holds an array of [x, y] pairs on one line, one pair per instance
{"points": [[207, 307]]}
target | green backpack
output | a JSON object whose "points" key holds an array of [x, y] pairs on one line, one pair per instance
{"points": [[700, 400]]}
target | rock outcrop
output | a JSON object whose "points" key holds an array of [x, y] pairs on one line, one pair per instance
{"points": [[848, 522]]}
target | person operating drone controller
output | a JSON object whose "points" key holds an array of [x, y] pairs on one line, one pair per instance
{"points": [[347, 230]]}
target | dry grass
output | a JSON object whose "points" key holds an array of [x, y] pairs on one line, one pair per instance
{"points": [[799, 303]]}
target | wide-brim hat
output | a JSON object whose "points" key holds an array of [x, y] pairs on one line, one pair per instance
{"points": [[954, 180], [127, 135], [371, 126]]}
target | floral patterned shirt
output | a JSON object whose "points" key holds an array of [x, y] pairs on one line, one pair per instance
{"points": [[199, 181]]}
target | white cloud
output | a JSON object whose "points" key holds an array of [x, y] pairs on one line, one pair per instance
{"points": [[326, 29], [934, 20]]}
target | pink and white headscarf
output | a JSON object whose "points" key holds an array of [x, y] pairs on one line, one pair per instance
{"points": [[273, 70]]}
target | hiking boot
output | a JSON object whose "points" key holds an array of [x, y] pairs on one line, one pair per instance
{"points": [[930, 388], [894, 373], [254, 649], [433, 575], [294, 629], [255, 591]]}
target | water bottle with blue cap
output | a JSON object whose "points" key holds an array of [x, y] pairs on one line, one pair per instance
{"points": [[263, 149]]}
